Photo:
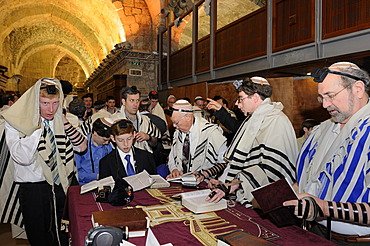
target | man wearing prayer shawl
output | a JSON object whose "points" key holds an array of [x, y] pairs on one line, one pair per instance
{"points": [[334, 162], [202, 141], [41, 143], [146, 132], [264, 148]]}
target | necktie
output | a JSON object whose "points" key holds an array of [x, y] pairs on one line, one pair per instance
{"points": [[130, 169], [53, 156], [185, 153]]}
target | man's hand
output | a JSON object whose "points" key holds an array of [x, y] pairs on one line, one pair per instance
{"points": [[213, 182], [174, 174], [199, 175], [215, 195], [141, 136], [301, 204], [212, 104]]}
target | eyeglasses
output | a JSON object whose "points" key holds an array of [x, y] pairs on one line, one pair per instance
{"points": [[241, 99], [330, 98]]}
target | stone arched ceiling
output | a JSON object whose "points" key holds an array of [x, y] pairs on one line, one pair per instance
{"points": [[80, 31]]}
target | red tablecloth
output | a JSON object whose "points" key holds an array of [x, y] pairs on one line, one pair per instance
{"points": [[176, 225]]}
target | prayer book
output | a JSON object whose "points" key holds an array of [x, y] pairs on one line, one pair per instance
{"points": [[196, 202], [140, 181], [270, 199], [108, 181], [187, 179], [135, 219], [144, 180], [241, 238], [159, 182]]}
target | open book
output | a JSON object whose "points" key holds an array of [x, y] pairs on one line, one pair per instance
{"points": [[144, 180], [196, 202], [108, 181], [271, 197], [187, 179]]}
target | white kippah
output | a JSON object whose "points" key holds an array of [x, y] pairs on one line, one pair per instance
{"points": [[182, 104], [170, 96], [259, 80], [108, 121], [342, 65]]}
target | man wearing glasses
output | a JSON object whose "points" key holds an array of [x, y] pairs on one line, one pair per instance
{"points": [[333, 165], [264, 148], [197, 144]]}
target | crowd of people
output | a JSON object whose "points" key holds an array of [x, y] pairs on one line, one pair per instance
{"points": [[53, 141]]}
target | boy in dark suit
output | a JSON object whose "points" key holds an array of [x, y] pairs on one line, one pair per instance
{"points": [[125, 160]]}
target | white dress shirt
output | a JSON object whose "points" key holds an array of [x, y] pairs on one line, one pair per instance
{"points": [[122, 155]]}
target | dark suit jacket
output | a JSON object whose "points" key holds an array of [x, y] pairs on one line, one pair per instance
{"points": [[112, 165]]}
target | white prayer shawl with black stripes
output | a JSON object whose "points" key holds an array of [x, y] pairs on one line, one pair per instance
{"points": [[86, 126], [24, 116], [263, 150], [337, 168], [158, 111], [206, 140], [144, 125], [9, 203]]}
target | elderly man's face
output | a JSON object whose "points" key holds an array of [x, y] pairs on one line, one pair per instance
{"points": [[201, 104], [181, 121], [48, 107], [337, 100], [170, 102]]}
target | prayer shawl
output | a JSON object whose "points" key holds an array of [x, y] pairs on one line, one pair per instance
{"points": [[144, 125], [24, 116], [9, 203], [158, 111], [86, 126], [337, 169], [263, 150], [206, 140]]}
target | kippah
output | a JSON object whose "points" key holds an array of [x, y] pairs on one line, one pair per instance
{"points": [[259, 80], [108, 121], [170, 96], [49, 81], [183, 104], [341, 65]]}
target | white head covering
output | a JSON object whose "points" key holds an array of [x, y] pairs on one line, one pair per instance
{"points": [[259, 80], [25, 113]]}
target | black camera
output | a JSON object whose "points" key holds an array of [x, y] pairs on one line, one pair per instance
{"points": [[106, 236]]}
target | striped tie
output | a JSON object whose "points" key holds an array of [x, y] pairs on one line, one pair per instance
{"points": [[53, 157]]}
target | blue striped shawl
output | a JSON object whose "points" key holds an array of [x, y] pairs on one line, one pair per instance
{"points": [[340, 171]]}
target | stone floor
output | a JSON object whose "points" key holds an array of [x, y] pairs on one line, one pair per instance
{"points": [[6, 237]]}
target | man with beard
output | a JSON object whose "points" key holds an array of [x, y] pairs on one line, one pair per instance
{"points": [[334, 162]]}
